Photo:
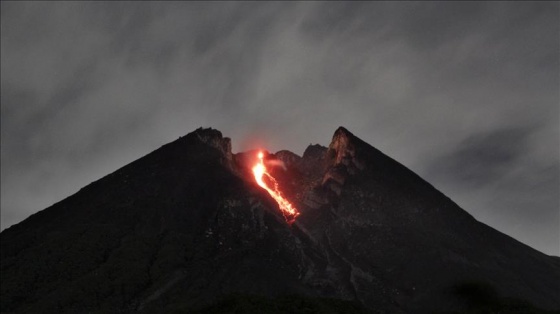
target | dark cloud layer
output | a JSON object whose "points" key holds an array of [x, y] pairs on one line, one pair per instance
{"points": [[464, 93], [482, 159]]}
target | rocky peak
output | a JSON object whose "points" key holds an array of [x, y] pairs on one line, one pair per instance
{"points": [[342, 160], [287, 157], [341, 150], [314, 152], [214, 138], [313, 163]]}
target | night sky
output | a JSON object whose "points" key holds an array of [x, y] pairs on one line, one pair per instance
{"points": [[464, 94]]}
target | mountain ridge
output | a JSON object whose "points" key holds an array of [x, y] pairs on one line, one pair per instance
{"points": [[186, 225]]}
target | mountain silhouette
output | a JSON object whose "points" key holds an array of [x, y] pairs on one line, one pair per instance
{"points": [[186, 229]]}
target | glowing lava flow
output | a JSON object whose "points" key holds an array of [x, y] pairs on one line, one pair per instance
{"points": [[288, 210]]}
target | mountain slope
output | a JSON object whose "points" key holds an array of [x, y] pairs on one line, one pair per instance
{"points": [[186, 226], [388, 224]]}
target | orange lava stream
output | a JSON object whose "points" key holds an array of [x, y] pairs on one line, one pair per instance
{"points": [[288, 210]]}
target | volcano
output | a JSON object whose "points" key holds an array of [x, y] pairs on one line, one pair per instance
{"points": [[187, 229]]}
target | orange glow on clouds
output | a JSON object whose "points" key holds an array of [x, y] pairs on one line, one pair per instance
{"points": [[259, 171]]}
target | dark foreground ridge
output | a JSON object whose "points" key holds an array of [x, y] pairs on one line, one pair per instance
{"points": [[185, 229]]}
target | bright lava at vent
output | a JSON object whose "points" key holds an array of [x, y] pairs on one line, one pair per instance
{"points": [[259, 170]]}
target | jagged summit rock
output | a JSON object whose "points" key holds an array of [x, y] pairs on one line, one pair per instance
{"points": [[314, 151], [186, 226], [287, 157], [215, 139]]}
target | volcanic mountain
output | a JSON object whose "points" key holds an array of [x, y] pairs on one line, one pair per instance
{"points": [[186, 229]]}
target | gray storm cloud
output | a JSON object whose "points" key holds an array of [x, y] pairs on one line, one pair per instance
{"points": [[463, 93]]}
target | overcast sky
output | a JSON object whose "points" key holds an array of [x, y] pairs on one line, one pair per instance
{"points": [[465, 94]]}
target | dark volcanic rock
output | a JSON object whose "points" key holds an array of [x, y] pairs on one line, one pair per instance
{"points": [[287, 157], [402, 242], [186, 226]]}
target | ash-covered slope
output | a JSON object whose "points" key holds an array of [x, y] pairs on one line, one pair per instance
{"points": [[186, 226]]}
